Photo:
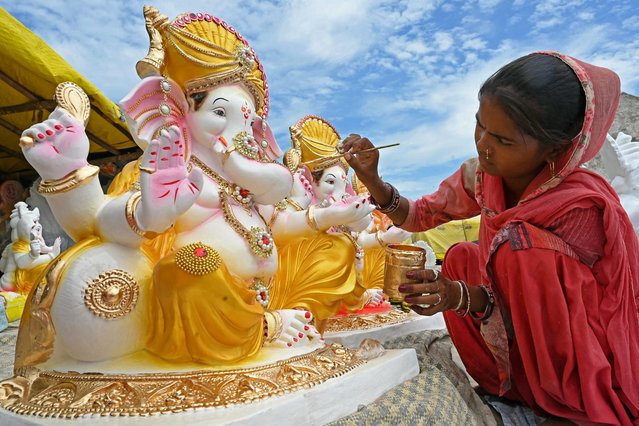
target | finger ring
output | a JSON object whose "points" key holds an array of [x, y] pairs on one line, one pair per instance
{"points": [[436, 274], [147, 170], [439, 299]]}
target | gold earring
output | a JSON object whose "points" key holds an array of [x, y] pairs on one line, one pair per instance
{"points": [[552, 168], [487, 154]]}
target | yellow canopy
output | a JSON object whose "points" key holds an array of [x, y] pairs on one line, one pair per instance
{"points": [[30, 70], [444, 236]]}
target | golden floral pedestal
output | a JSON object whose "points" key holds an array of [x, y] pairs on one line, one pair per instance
{"points": [[315, 387], [351, 330]]}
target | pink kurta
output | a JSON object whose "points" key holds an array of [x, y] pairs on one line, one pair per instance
{"points": [[563, 263]]}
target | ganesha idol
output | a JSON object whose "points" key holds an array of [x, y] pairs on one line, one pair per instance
{"points": [[27, 255], [176, 263], [321, 181]]}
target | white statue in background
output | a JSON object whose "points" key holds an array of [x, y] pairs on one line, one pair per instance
{"points": [[620, 159], [28, 254]]}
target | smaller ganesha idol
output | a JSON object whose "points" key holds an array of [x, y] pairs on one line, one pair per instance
{"points": [[27, 255], [172, 278], [22, 260], [321, 181]]}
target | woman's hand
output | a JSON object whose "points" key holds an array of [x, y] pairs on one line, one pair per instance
{"points": [[365, 165], [435, 293]]}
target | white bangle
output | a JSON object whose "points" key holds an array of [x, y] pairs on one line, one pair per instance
{"points": [[461, 296]]}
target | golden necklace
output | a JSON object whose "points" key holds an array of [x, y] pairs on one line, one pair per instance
{"points": [[259, 239], [244, 197]]}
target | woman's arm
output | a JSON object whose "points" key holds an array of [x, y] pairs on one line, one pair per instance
{"points": [[455, 198]]}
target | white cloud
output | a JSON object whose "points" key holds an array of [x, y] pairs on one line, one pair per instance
{"points": [[488, 4], [474, 43], [586, 15], [400, 71], [551, 13], [631, 23], [443, 40]]}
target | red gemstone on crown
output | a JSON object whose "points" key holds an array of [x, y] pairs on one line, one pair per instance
{"points": [[244, 193], [200, 252]]}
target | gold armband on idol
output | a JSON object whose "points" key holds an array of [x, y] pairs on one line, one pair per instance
{"points": [[310, 218], [70, 181], [129, 210]]}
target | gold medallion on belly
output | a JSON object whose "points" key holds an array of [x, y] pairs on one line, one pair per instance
{"points": [[112, 294]]}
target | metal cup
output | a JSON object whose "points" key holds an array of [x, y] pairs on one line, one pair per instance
{"points": [[401, 258]]}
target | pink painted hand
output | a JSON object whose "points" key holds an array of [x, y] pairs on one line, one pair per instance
{"points": [[302, 192], [168, 189], [60, 145], [354, 212]]}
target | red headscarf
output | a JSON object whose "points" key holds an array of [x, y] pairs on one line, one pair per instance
{"points": [[549, 197]]}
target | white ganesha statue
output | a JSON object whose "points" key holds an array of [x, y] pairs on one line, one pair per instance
{"points": [[178, 258]]}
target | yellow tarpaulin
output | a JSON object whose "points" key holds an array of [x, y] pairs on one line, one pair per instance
{"points": [[30, 70], [444, 236]]}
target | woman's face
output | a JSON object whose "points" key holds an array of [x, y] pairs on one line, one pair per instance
{"points": [[502, 148], [332, 185], [225, 111]]}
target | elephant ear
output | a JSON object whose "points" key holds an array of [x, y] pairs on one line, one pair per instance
{"points": [[264, 132], [154, 104]]}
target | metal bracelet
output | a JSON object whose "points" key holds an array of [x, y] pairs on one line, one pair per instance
{"points": [[394, 202], [461, 295], [489, 307], [462, 313]]}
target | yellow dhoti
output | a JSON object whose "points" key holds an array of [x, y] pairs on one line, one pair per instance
{"points": [[210, 318], [373, 272], [317, 274], [24, 279]]}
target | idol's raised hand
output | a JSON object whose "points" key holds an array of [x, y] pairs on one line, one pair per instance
{"points": [[57, 146], [168, 189]]}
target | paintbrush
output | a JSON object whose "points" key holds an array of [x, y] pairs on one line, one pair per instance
{"points": [[358, 152]]}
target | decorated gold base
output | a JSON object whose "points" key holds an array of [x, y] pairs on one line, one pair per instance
{"points": [[71, 394], [363, 322]]}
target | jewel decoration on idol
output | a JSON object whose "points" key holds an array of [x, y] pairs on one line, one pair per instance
{"points": [[261, 242], [262, 294], [198, 259]]}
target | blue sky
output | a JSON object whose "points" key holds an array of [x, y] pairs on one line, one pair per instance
{"points": [[403, 71]]}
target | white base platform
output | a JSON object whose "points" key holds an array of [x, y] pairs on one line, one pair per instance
{"points": [[413, 324], [318, 405]]}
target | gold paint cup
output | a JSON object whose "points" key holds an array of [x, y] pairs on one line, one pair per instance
{"points": [[401, 258]]}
